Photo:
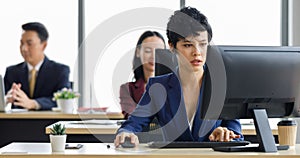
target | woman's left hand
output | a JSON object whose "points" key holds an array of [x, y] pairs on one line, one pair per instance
{"points": [[222, 134]]}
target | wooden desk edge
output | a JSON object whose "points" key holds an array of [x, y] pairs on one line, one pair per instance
{"points": [[58, 115], [100, 150], [253, 132], [87, 131]]}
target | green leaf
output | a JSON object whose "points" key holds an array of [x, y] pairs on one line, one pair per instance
{"points": [[58, 129]]}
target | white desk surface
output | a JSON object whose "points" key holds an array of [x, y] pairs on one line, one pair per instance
{"points": [[100, 150], [88, 127]]}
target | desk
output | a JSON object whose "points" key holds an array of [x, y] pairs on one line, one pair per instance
{"points": [[89, 130], [249, 132], [100, 150], [106, 133], [249, 129], [92, 127], [30, 126], [97, 127], [88, 127]]}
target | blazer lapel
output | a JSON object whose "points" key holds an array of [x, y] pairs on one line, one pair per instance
{"points": [[196, 124], [40, 80], [178, 111], [201, 128], [174, 94], [24, 78]]}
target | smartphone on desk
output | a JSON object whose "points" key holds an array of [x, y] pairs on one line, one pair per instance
{"points": [[73, 146]]}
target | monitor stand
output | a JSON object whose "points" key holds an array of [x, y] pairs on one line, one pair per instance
{"points": [[264, 134]]}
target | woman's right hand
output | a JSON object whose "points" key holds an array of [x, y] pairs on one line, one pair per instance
{"points": [[120, 138]]}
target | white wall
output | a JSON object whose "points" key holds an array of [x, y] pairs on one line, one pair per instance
{"points": [[59, 17], [111, 35], [294, 23]]}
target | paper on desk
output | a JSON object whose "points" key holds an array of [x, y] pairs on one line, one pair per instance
{"points": [[95, 122]]}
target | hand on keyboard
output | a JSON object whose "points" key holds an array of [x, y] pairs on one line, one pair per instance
{"points": [[223, 134]]}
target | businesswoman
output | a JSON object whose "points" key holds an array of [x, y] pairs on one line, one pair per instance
{"points": [[143, 68], [175, 99]]}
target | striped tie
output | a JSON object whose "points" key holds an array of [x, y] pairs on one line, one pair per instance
{"points": [[32, 82]]}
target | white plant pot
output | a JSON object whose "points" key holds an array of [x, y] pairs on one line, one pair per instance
{"points": [[58, 142], [67, 105]]}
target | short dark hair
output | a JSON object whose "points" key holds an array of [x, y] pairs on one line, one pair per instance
{"points": [[37, 27], [137, 64], [185, 22]]}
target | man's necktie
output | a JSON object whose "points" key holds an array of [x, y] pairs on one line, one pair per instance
{"points": [[32, 82]]}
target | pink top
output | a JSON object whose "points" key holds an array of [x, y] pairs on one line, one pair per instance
{"points": [[130, 95]]}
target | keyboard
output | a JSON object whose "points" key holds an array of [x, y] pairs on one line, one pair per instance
{"points": [[183, 144]]}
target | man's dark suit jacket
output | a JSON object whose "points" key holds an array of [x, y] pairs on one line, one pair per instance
{"points": [[51, 77]]}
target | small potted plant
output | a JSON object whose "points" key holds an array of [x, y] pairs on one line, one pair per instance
{"points": [[66, 100], [58, 137]]}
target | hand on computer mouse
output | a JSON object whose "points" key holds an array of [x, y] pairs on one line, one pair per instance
{"points": [[127, 143], [126, 140]]}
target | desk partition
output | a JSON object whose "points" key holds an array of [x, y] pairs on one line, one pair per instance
{"points": [[30, 126]]}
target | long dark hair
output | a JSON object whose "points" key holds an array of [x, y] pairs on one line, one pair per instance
{"points": [[137, 65]]}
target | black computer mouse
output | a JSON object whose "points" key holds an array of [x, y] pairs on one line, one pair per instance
{"points": [[127, 143]]}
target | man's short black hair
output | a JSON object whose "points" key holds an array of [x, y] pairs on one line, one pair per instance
{"points": [[186, 22], [37, 27]]}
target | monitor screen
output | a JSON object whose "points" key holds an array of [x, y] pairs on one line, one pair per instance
{"points": [[260, 77]]}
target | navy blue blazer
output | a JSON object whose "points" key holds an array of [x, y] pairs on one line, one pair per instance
{"points": [[51, 77], [163, 99]]}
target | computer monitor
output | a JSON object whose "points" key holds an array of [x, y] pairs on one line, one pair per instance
{"points": [[165, 62], [256, 82]]}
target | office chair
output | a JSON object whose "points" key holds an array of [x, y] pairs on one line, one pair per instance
{"points": [[71, 84]]}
